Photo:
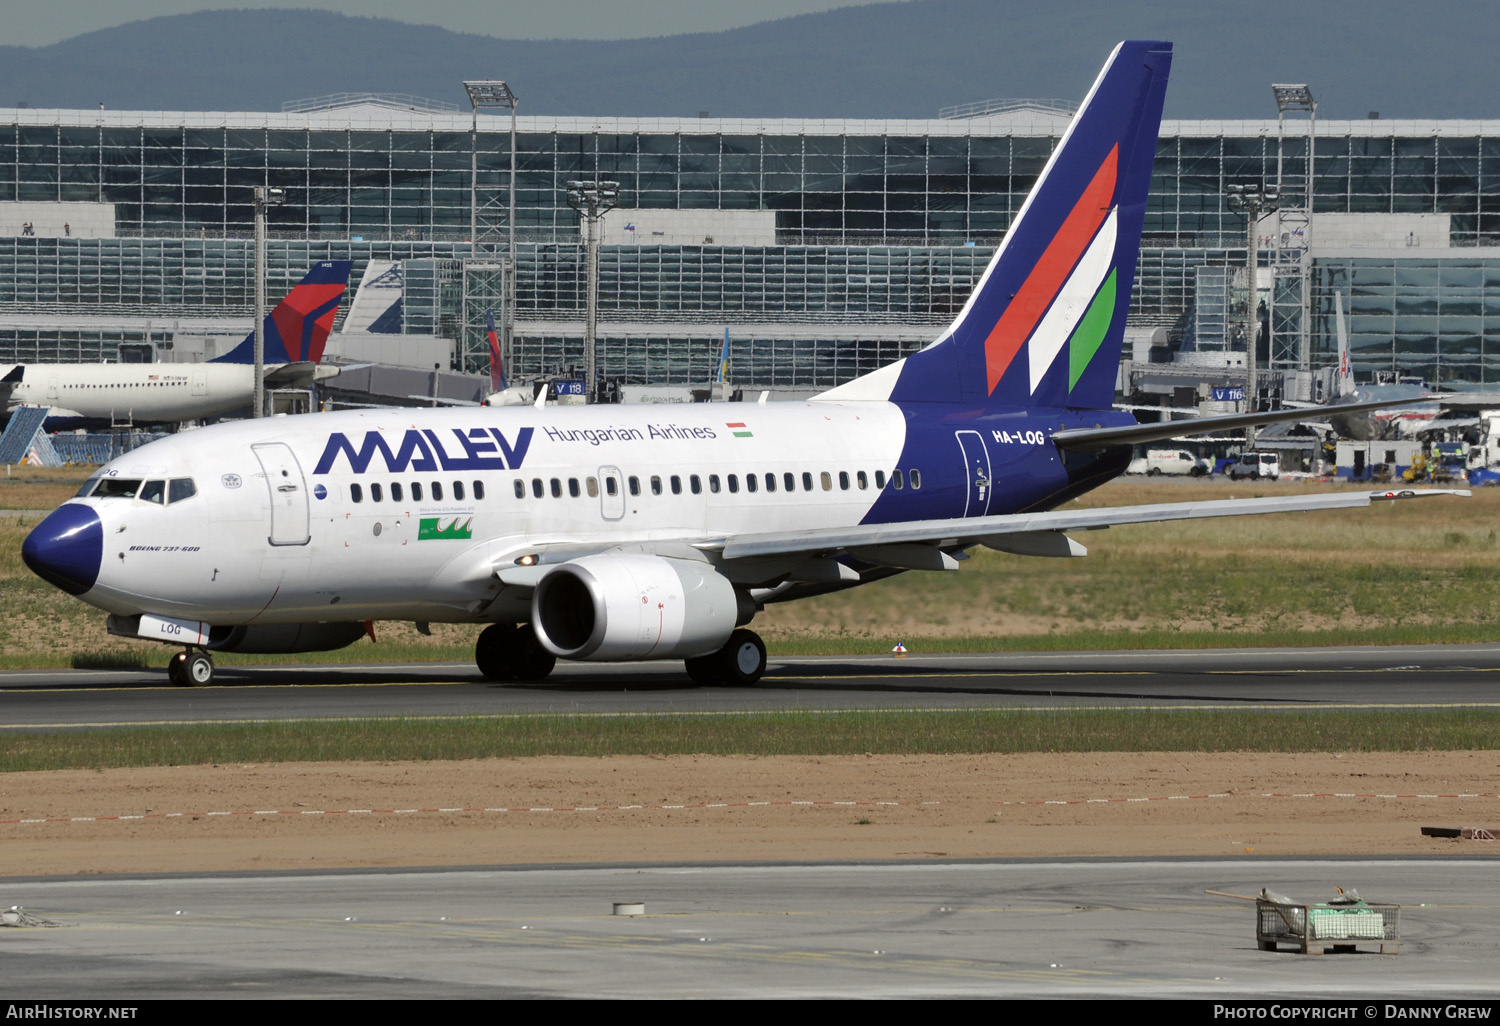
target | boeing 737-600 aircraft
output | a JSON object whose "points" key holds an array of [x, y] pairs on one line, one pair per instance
{"points": [[643, 532], [100, 395]]}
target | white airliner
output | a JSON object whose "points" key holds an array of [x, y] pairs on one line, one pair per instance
{"points": [[100, 395], [643, 532]]}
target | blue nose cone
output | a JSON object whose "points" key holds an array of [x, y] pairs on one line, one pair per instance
{"points": [[66, 548]]}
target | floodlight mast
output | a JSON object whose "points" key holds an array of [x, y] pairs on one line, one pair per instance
{"points": [[263, 197], [592, 200], [1255, 202], [495, 93]]}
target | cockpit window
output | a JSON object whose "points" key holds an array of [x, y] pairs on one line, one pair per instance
{"points": [[117, 488], [180, 488], [154, 491], [88, 486]]}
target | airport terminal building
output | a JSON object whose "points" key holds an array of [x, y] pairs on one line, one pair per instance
{"points": [[824, 248]]}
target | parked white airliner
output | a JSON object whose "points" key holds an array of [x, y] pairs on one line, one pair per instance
{"points": [[643, 532], [101, 395]]}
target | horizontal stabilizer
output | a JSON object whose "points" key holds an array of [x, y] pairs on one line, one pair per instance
{"points": [[1097, 439]]}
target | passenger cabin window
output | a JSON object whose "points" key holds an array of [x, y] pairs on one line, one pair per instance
{"points": [[827, 480], [591, 485], [879, 479], [734, 484], [557, 488], [395, 491], [573, 489], [458, 491], [375, 495], [844, 480], [861, 480], [695, 484], [751, 482], [635, 485], [154, 491], [416, 491], [437, 491], [790, 480], [537, 489], [807, 481], [478, 491], [676, 485], [770, 482], [611, 486], [180, 488], [520, 488], [898, 480], [655, 485], [713, 483], [916, 479], [356, 493]]}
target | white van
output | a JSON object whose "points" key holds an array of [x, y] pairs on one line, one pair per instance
{"points": [[1256, 465], [1170, 461]]}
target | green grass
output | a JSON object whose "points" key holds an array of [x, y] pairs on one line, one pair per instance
{"points": [[758, 734]]}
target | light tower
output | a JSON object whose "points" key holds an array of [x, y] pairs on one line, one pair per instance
{"points": [[1255, 202], [262, 198], [592, 200]]}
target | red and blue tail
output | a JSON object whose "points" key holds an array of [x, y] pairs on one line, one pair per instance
{"points": [[1045, 325], [497, 367], [298, 328]]}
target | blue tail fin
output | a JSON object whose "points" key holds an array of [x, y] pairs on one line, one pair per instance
{"points": [[1045, 324], [298, 328]]}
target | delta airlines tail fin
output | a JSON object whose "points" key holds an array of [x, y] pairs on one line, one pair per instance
{"points": [[497, 367], [1046, 322], [298, 328]]}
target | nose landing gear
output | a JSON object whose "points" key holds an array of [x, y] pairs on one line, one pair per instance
{"points": [[190, 669]]}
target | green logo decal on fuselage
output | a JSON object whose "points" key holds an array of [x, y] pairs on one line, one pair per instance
{"points": [[445, 527]]}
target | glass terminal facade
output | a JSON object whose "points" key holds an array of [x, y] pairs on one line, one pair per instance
{"points": [[869, 233]]}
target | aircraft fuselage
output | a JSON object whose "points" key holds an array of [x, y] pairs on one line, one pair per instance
{"points": [[407, 514], [98, 395]]}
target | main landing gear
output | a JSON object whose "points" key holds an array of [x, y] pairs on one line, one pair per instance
{"points": [[742, 660], [510, 652], [191, 669]]}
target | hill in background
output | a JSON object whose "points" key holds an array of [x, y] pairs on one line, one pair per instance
{"points": [[893, 60]]}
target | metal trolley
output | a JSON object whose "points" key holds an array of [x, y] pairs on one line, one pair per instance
{"points": [[1326, 928]]}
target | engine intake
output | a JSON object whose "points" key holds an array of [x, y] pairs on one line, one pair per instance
{"points": [[626, 606]]}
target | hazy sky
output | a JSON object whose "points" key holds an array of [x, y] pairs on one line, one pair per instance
{"points": [[26, 23]]}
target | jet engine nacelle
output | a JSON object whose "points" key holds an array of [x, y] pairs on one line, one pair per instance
{"points": [[629, 606], [284, 637]]}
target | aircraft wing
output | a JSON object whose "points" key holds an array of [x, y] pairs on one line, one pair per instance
{"points": [[1095, 439], [919, 544], [1025, 533]]}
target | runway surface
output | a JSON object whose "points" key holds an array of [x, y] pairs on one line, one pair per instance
{"points": [[1006, 929], [1050, 928], [1245, 678]]}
